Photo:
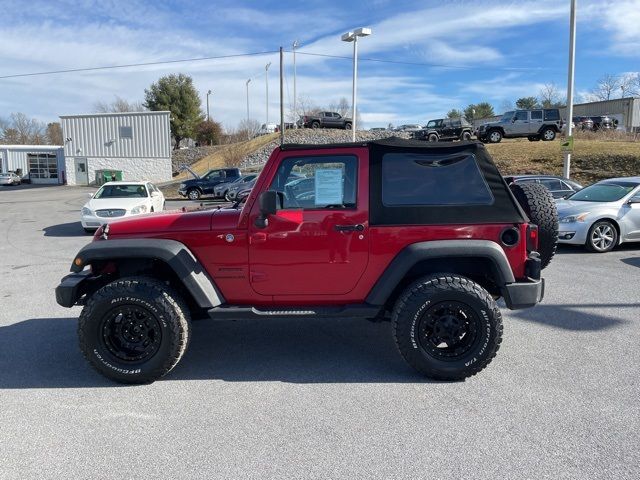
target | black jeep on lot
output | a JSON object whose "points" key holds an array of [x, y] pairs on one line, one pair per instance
{"points": [[445, 129]]}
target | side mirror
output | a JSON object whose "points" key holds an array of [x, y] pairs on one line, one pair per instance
{"points": [[268, 202], [90, 195], [155, 194], [633, 200]]}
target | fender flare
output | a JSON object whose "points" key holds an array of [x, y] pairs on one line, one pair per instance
{"points": [[418, 252], [176, 255]]}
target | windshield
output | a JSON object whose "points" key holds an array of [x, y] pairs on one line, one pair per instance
{"points": [[432, 123], [122, 191], [506, 117], [603, 192]]}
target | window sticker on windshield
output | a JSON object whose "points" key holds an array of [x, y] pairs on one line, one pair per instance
{"points": [[328, 186]]}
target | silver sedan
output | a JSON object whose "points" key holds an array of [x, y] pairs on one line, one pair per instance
{"points": [[602, 215]]}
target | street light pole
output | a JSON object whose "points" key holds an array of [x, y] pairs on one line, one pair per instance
{"points": [[353, 37], [208, 117], [566, 167], [295, 98], [266, 76], [248, 133]]}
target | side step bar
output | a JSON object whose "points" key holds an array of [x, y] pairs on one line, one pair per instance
{"points": [[224, 312]]}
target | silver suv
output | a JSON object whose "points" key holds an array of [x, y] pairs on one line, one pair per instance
{"points": [[538, 124]]}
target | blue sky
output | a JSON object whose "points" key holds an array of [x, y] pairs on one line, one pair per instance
{"points": [[495, 51]]}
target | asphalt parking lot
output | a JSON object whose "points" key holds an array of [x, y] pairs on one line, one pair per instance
{"points": [[319, 398]]}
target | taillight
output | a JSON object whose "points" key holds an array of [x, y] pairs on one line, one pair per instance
{"points": [[532, 237]]}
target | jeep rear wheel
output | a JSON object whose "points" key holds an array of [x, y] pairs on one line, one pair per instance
{"points": [[466, 136], [194, 194], [134, 330], [548, 134], [494, 136], [447, 327], [533, 138], [538, 203]]}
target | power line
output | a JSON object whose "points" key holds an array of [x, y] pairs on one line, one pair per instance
{"points": [[424, 64], [165, 62]]}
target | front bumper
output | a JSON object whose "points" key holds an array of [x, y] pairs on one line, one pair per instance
{"points": [[71, 288], [93, 221], [183, 192], [574, 233]]}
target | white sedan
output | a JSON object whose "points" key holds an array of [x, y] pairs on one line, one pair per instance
{"points": [[116, 200], [9, 178]]}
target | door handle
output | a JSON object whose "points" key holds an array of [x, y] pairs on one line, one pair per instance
{"points": [[349, 228], [259, 237]]}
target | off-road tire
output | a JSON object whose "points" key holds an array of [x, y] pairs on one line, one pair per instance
{"points": [[538, 203], [466, 136], [605, 225], [533, 138], [432, 291], [161, 302], [194, 194], [432, 137], [548, 134], [347, 126], [494, 136]]}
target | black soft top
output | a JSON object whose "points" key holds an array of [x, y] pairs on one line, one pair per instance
{"points": [[504, 209]]}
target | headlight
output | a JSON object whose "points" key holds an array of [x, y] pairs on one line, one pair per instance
{"points": [[183, 186], [138, 209], [86, 211], [574, 218]]}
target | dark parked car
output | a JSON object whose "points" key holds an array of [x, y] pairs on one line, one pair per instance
{"points": [[325, 120], [559, 187], [197, 187], [232, 194], [445, 129], [583, 123], [222, 190], [603, 122]]}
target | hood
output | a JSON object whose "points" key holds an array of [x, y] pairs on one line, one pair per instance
{"points": [[171, 221], [115, 203], [568, 207]]}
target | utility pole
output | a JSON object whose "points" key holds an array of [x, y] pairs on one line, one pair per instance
{"points": [[266, 77], [248, 132], [566, 168], [295, 97], [208, 117], [281, 96]]}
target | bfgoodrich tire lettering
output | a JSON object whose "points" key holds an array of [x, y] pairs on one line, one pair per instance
{"points": [[167, 318], [483, 329]]}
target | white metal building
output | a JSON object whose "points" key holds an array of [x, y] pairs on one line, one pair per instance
{"points": [[625, 110], [44, 163], [138, 144]]}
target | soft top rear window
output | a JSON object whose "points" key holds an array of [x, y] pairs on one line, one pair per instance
{"points": [[433, 179]]}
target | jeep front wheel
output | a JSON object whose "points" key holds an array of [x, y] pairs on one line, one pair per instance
{"points": [[466, 136], [432, 137], [548, 134], [134, 330], [494, 136], [347, 126], [447, 327], [538, 203]]}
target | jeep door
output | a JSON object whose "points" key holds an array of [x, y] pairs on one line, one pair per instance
{"points": [[318, 241], [536, 121], [519, 124]]}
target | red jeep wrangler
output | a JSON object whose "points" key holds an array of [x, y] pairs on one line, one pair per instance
{"points": [[429, 234]]}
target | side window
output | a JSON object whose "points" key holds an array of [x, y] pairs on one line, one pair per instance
{"points": [[317, 182], [536, 115], [522, 116], [551, 115], [551, 184], [426, 179], [527, 180]]}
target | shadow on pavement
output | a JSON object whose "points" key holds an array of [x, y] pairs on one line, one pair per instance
{"points": [[44, 353], [72, 229], [633, 261], [572, 317]]}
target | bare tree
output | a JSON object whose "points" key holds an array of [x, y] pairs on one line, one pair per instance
{"points": [[248, 128], [630, 84], [22, 130], [54, 133], [607, 87], [233, 155], [506, 105], [118, 105], [550, 96]]}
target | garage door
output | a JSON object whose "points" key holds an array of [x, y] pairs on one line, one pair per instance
{"points": [[43, 167]]}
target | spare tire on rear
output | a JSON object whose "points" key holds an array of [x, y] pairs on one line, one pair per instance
{"points": [[538, 203]]}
